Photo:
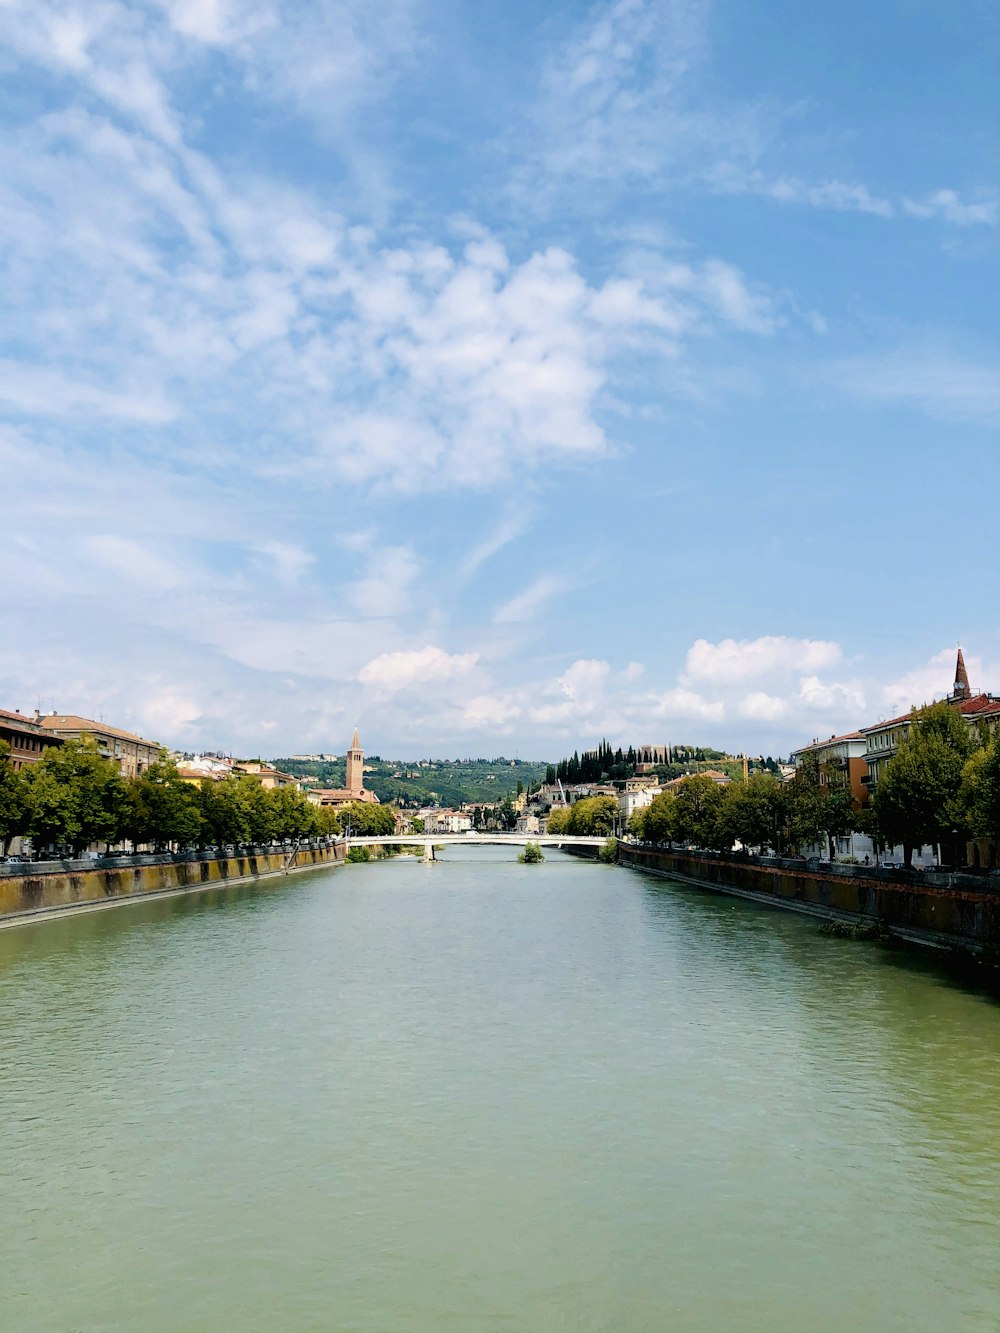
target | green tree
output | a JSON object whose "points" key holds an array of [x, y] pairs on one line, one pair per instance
{"points": [[753, 813], [917, 800], [594, 816], [13, 799], [658, 819], [369, 820], [697, 810], [75, 796], [164, 808], [979, 794], [558, 821], [506, 815], [223, 812], [294, 816]]}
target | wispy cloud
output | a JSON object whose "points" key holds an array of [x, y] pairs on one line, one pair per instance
{"points": [[530, 601], [935, 382]]}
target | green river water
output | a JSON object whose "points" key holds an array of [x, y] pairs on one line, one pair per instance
{"points": [[483, 1096]]}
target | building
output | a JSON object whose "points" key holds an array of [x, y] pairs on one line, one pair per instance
{"points": [[841, 761], [266, 774], [720, 779], [883, 739], [28, 740], [858, 758], [638, 793], [133, 754], [335, 798], [445, 821]]}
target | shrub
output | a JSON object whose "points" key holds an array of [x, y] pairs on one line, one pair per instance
{"points": [[532, 854], [609, 852]]}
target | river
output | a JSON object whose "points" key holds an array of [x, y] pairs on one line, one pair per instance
{"points": [[483, 1096]]}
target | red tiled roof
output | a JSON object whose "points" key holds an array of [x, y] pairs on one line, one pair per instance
{"points": [[833, 740], [979, 703]]}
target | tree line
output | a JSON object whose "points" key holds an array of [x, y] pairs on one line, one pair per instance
{"points": [[606, 764], [73, 797], [941, 788]]}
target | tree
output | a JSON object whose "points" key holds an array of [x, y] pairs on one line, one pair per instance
{"points": [[658, 818], [13, 799], [368, 820], [558, 821], [417, 824], [697, 810], [164, 808], [917, 799], [506, 815], [223, 813], [595, 816], [532, 854], [754, 813], [75, 796], [979, 794]]}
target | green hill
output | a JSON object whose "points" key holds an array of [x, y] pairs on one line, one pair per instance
{"points": [[412, 783]]}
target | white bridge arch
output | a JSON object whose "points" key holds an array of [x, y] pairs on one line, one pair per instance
{"points": [[428, 841]]}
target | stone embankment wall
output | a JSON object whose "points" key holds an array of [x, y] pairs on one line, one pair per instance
{"points": [[953, 911], [78, 886]]}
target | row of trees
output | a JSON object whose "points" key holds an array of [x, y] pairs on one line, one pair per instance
{"points": [[941, 788], [606, 764], [75, 798], [761, 813]]}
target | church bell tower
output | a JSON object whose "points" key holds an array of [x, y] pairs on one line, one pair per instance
{"points": [[962, 690], [355, 766]]}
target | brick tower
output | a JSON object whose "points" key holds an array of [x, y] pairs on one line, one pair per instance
{"points": [[356, 766], [962, 690]]}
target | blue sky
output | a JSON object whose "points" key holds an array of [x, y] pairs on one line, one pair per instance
{"points": [[496, 377]]}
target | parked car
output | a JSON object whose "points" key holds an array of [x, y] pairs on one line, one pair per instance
{"points": [[16, 860]]}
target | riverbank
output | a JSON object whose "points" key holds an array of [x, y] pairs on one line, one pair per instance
{"points": [[954, 914], [57, 892]]}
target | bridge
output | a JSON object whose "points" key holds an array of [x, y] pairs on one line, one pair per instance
{"points": [[428, 841]]}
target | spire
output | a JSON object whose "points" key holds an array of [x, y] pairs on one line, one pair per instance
{"points": [[963, 690], [356, 744]]}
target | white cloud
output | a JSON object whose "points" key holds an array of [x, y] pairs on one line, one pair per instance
{"points": [[288, 559], [844, 697], [488, 712], [762, 707], [733, 660], [391, 673], [528, 603], [933, 680], [386, 589], [950, 207], [135, 561], [688, 704]]}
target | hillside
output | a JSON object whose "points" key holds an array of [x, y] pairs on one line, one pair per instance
{"points": [[413, 783]]}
